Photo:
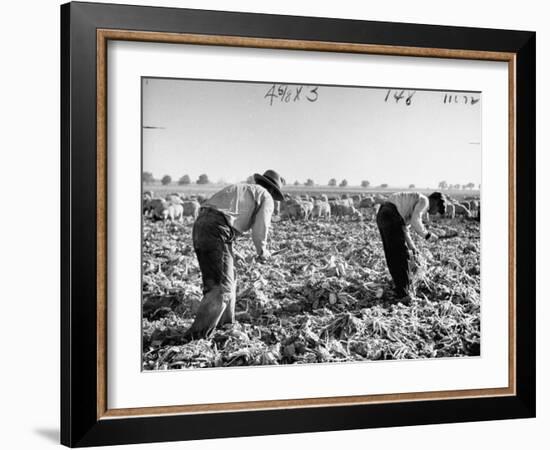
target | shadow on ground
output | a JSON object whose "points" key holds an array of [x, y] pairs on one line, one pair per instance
{"points": [[50, 434]]}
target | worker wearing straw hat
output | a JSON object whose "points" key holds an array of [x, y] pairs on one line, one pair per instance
{"points": [[230, 212]]}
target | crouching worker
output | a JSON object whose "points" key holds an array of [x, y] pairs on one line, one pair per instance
{"points": [[234, 210], [394, 219]]}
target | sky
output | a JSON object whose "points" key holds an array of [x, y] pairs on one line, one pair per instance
{"points": [[230, 130]]}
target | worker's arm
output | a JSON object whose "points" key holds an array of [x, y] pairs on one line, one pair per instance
{"points": [[260, 228], [409, 240], [416, 216]]}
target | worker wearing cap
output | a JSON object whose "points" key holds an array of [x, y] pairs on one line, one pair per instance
{"points": [[394, 219], [230, 212]]}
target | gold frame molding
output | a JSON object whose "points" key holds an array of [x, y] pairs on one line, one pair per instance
{"points": [[103, 36]]}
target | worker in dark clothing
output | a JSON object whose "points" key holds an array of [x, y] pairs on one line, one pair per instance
{"points": [[230, 212], [394, 219]]}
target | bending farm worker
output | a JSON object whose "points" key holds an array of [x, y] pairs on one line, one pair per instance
{"points": [[394, 218], [230, 212]]}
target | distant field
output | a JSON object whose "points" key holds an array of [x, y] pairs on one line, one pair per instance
{"points": [[208, 189]]}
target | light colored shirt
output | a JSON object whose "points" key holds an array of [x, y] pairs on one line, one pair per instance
{"points": [[411, 206], [247, 206]]}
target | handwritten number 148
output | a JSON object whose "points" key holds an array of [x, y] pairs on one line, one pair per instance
{"points": [[400, 94]]}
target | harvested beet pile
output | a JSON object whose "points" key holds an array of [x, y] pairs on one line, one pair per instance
{"points": [[325, 297]]}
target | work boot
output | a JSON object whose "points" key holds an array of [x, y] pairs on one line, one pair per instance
{"points": [[403, 296]]}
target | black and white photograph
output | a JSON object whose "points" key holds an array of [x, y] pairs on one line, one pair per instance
{"points": [[277, 223], [300, 224]]}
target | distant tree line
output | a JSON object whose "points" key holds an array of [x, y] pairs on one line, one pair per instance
{"points": [[148, 178], [333, 182], [444, 185]]}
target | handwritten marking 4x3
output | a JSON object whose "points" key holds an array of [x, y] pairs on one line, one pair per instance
{"points": [[290, 94]]}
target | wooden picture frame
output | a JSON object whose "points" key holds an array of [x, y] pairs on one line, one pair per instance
{"points": [[85, 416]]}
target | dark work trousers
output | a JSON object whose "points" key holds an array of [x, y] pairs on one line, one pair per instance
{"points": [[213, 242], [392, 229]]}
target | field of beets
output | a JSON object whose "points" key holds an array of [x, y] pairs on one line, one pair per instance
{"points": [[326, 296]]}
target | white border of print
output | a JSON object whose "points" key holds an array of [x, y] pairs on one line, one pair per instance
{"points": [[129, 387]]}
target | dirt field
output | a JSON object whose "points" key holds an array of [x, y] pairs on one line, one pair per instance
{"points": [[326, 297]]}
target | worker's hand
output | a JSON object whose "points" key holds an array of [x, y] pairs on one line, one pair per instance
{"points": [[432, 237], [264, 256]]}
